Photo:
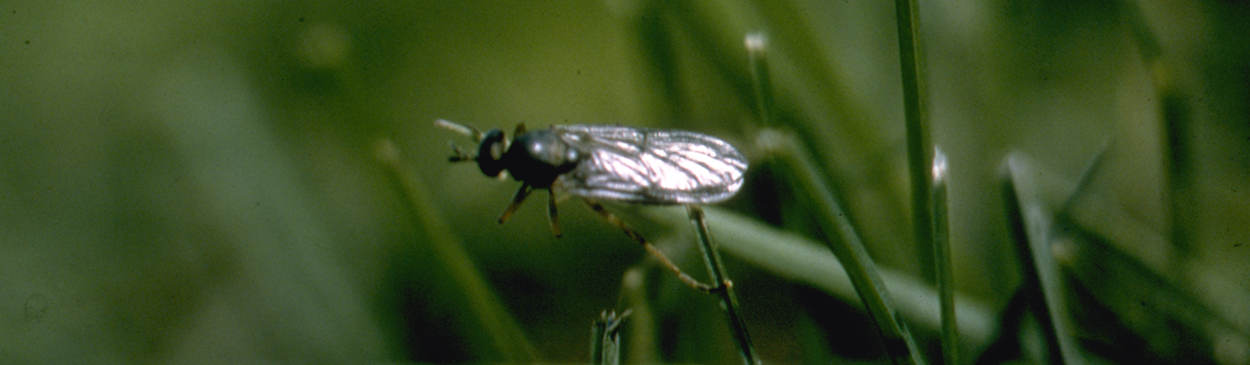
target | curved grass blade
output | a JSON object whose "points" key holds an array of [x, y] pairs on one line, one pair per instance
{"points": [[804, 261], [501, 335]]}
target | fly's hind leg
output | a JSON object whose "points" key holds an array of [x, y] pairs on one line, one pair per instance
{"points": [[655, 252]]}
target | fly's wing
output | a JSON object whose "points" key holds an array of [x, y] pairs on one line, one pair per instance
{"points": [[650, 166]]}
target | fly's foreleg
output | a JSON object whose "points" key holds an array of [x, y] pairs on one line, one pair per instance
{"points": [[516, 203]]}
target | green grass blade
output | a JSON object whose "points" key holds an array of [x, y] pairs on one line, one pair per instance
{"points": [[1031, 224], [501, 337], [729, 302], [942, 266], [915, 113], [899, 345], [1175, 126], [849, 248], [807, 262]]}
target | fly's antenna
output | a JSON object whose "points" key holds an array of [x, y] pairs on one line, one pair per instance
{"points": [[459, 154], [465, 130]]}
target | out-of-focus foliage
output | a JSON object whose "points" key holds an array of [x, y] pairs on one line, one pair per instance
{"points": [[200, 181]]}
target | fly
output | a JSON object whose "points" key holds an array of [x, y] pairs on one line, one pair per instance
{"points": [[625, 164]]}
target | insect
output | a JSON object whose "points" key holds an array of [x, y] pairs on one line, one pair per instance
{"points": [[625, 164]]}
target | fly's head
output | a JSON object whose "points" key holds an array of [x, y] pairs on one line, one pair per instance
{"points": [[490, 150], [490, 154]]}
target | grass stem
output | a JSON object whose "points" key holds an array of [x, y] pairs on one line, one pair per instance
{"points": [[942, 261], [898, 343], [849, 248], [916, 124], [729, 301]]}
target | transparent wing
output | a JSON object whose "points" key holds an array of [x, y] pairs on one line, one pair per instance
{"points": [[650, 166]]}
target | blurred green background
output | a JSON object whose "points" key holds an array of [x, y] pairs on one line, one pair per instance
{"points": [[208, 181]]}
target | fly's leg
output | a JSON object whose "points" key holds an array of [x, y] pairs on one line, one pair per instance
{"points": [[520, 197], [516, 202], [460, 155], [655, 252], [551, 212]]}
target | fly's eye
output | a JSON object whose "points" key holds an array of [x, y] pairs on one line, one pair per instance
{"points": [[490, 153], [496, 150]]}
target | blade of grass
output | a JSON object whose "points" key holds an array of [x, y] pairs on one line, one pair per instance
{"points": [[1174, 326], [916, 123], [757, 55], [819, 102], [899, 345], [815, 86], [942, 261], [804, 261], [729, 302], [503, 336], [1145, 301], [1175, 128], [1031, 225], [849, 248]]}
